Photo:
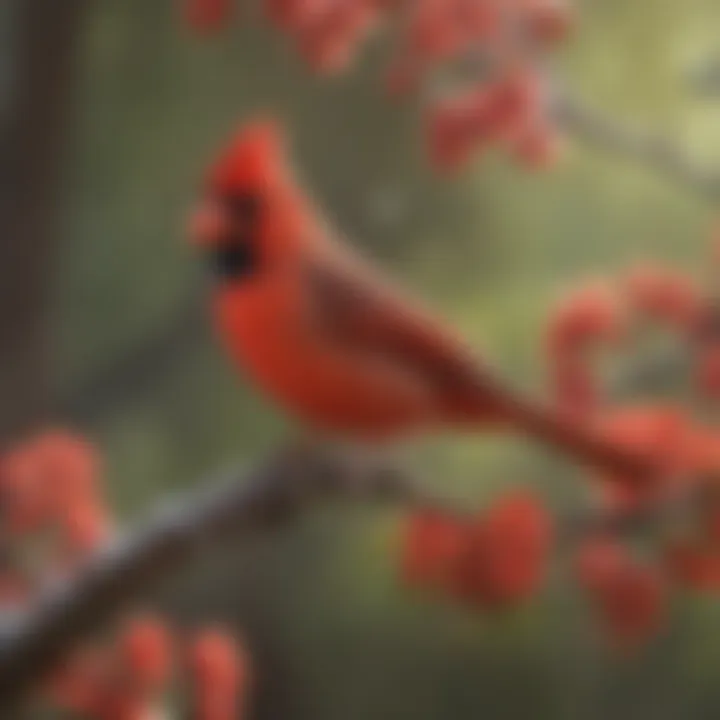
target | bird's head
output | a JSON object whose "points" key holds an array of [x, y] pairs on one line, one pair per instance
{"points": [[240, 200]]}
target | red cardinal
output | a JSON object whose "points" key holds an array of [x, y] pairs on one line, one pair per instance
{"points": [[329, 338]]}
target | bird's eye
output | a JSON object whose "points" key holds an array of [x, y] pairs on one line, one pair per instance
{"points": [[243, 208], [237, 255]]}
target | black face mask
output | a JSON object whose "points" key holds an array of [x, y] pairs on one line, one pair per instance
{"points": [[233, 261], [236, 257]]}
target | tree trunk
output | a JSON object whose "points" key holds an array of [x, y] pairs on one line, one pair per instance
{"points": [[36, 98]]}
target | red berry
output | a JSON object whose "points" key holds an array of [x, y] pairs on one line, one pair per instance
{"points": [[665, 295], [586, 319], [664, 433], [548, 21], [538, 148], [707, 374], [433, 33], [597, 560], [460, 126], [207, 16], [588, 315], [630, 598], [145, 648], [693, 567], [402, 77], [85, 527], [506, 556], [574, 387], [26, 505], [220, 676], [80, 684], [216, 660]]}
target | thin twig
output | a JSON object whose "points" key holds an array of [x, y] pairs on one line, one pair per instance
{"points": [[133, 372], [656, 152]]}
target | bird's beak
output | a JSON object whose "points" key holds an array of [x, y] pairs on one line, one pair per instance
{"points": [[208, 223]]}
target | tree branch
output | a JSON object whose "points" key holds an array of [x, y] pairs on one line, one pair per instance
{"points": [[242, 504], [130, 374], [652, 150]]}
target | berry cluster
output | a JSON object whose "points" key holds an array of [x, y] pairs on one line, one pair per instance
{"points": [[640, 541], [503, 103], [615, 314], [54, 518], [497, 559], [49, 487], [127, 677]]}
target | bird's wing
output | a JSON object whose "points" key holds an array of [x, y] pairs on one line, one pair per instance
{"points": [[354, 304]]}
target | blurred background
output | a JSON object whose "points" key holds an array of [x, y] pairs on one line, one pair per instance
{"points": [[109, 111]]}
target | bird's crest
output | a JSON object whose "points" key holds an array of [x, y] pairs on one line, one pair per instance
{"points": [[254, 159]]}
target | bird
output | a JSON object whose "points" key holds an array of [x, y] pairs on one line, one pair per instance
{"points": [[329, 337]]}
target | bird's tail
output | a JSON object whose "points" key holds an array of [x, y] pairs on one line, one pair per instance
{"points": [[573, 438]]}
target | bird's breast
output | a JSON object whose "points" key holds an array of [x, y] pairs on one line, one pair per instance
{"points": [[266, 330], [256, 323], [270, 334]]}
